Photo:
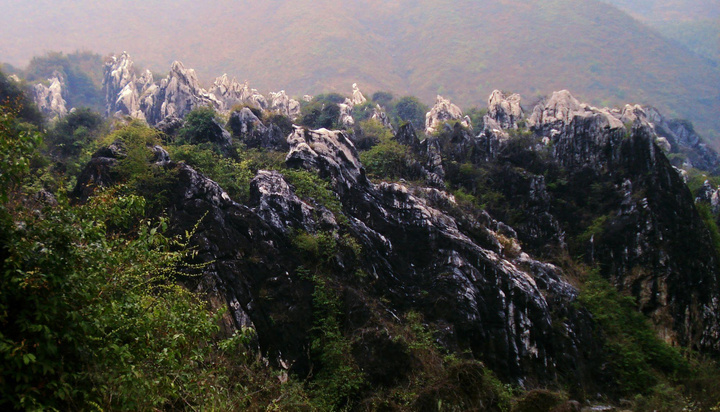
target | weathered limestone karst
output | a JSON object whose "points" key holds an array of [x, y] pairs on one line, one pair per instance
{"points": [[505, 110], [49, 99], [357, 96], [443, 112], [281, 103], [176, 95]]}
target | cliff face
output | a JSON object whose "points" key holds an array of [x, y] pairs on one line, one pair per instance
{"points": [[577, 180]]}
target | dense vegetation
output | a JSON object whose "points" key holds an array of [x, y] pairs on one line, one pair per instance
{"points": [[97, 312]]}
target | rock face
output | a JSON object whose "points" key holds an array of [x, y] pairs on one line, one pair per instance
{"points": [[504, 110], [281, 103], [123, 88], [588, 181], [231, 93], [709, 195], [579, 133], [357, 96], [442, 112], [593, 143], [176, 95], [249, 129], [49, 99], [680, 138], [382, 117]]}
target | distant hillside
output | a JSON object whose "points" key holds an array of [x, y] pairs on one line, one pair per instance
{"points": [[694, 24], [462, 49]]}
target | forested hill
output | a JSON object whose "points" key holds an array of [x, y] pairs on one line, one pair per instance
{"points": [[694, 24], [461, 49]]}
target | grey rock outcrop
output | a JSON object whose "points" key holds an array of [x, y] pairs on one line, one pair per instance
{"points": [[274, 200], [709, 195], [329, 152], [281, 103], [249, 129], [442, 112], [580, 133], [382, 117], [345, 117], [123, 88], [230, 92], [474, 295], [176, 95], [357, 96], [49, 99], [504, 110]]}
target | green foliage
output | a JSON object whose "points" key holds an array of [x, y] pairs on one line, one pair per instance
{"points": [[711, 224], [638, 356], [75, 132], [13, 95], [201, 126], [137, 139], [16, 150], [339, 379], [232, 174], [370, 132], [411, 109], [310, 186], [476, 118], [383, 98], [387, 160], [321, 112], [364, 111]]}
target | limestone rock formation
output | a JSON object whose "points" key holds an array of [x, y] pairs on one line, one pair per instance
{"points": [[442, 112], [505, 110], [176, 95], [345, 117], [357, 96], [382, 117], [281, 103], [123, 89], [49, 99], [230, 92], [249, 129], [579, 133], [709, 195]]}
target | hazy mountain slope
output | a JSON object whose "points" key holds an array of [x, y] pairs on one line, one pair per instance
{"points": [[462, 49], [694, 24]]}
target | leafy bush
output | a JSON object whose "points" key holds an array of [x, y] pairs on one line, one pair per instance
{"points": [[16, 149], [370, 132], [201, 126], [638, 356], [387, 160], [75, 132], [411, 109], [383, 98], [363, 111], [321, 112], [310, 186]]}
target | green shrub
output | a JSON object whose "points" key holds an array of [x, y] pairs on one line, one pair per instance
{"points": [[411, 109], [638, 356], [387, 160]]}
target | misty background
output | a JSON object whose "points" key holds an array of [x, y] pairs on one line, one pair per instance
{"points": [[660, 53]]}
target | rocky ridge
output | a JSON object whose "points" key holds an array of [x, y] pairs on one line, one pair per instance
{"points": [[484, 280]]}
